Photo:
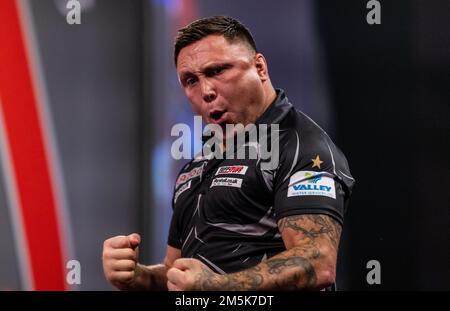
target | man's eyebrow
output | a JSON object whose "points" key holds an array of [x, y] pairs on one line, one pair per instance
{"points": [[217, 65], [185, 74], [205, 70]]}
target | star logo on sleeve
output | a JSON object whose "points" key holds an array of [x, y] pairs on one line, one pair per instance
{"points": [[316, 162]]}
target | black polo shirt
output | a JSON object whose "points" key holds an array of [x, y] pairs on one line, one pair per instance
{"points": [[225, 211]]}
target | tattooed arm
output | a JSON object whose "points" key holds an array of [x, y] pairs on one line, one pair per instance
{"points": [[308, 263]]}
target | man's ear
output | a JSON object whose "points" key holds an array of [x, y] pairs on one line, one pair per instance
{"points": [[261, 67]]}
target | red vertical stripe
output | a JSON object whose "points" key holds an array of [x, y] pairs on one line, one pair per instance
{"points": [[189, 12], [28, 154]]}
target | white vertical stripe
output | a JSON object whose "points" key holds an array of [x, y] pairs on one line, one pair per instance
{"points": [[187, 238], [197, 209], [332, 159], [349, 177]]}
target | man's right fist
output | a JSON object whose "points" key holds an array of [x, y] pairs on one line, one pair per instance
{"points": [[120, 260]]}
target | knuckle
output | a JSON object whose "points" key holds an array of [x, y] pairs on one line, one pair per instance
{"points": [[107, 244], [111, 240], [128, 265], [133, 265], [130, 253], [128, 276], [107, 254], [169, 273]]}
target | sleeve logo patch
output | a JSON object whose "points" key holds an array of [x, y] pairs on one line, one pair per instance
{"points": [[311, 183], [234, 169], [227, 182], [195, 172]]}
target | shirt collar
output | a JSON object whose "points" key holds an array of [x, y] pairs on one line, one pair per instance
{"points": [[276, 111]]}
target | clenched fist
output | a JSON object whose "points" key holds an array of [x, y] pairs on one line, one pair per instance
{"points": [[191, 274], [120, 261]]}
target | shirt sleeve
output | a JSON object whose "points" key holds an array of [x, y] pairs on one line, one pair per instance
{"points": [[306, 181]]}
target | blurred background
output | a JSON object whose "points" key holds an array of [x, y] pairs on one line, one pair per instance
{"points": [[86, 112]]}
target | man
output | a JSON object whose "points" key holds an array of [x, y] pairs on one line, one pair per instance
{"points": [[237, 225]]}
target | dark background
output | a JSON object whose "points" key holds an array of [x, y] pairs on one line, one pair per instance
{"points": [[390, 83]]}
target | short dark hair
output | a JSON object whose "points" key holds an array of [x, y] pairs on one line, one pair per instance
{"points": [[230, 28]]}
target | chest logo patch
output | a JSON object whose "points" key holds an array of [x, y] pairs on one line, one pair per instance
{"points": [[227, 182], [311, 183], [234, 169]]}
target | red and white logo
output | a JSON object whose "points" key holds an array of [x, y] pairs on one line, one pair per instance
{"points": [[195, 172], [234, 169]]}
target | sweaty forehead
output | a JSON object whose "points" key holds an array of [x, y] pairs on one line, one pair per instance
{"points": [[209, 50]]}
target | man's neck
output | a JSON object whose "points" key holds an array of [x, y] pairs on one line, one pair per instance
{"points": [[270, 96]]}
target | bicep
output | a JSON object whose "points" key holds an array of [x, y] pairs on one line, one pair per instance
{"points": [[172, 254], [315, 239], [310, 230]]}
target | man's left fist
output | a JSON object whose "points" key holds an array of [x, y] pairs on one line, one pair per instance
{"points": [[191, 274]]}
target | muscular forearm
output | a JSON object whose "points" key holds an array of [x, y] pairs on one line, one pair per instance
{"points": [[294, 269], [308, 263], [150, 277]]}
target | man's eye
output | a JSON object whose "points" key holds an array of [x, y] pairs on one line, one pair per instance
{"points": [[190, 81], [215, 71]]}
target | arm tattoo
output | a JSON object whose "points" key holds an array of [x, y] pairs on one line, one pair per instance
{"points": [[249, 279], [292, 269], [303, 278], [290, 273], [312, 227]]}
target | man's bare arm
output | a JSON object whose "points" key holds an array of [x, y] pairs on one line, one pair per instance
{"points": [[308, 263], [154, 277]]}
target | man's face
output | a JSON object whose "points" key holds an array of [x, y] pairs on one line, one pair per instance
{"points": [[223, 80]]}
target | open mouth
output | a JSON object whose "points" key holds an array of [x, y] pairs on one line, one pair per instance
{"points": [[217, 116]]}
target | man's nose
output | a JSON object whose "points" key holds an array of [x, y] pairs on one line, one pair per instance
{"points": [[208, 91]]}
